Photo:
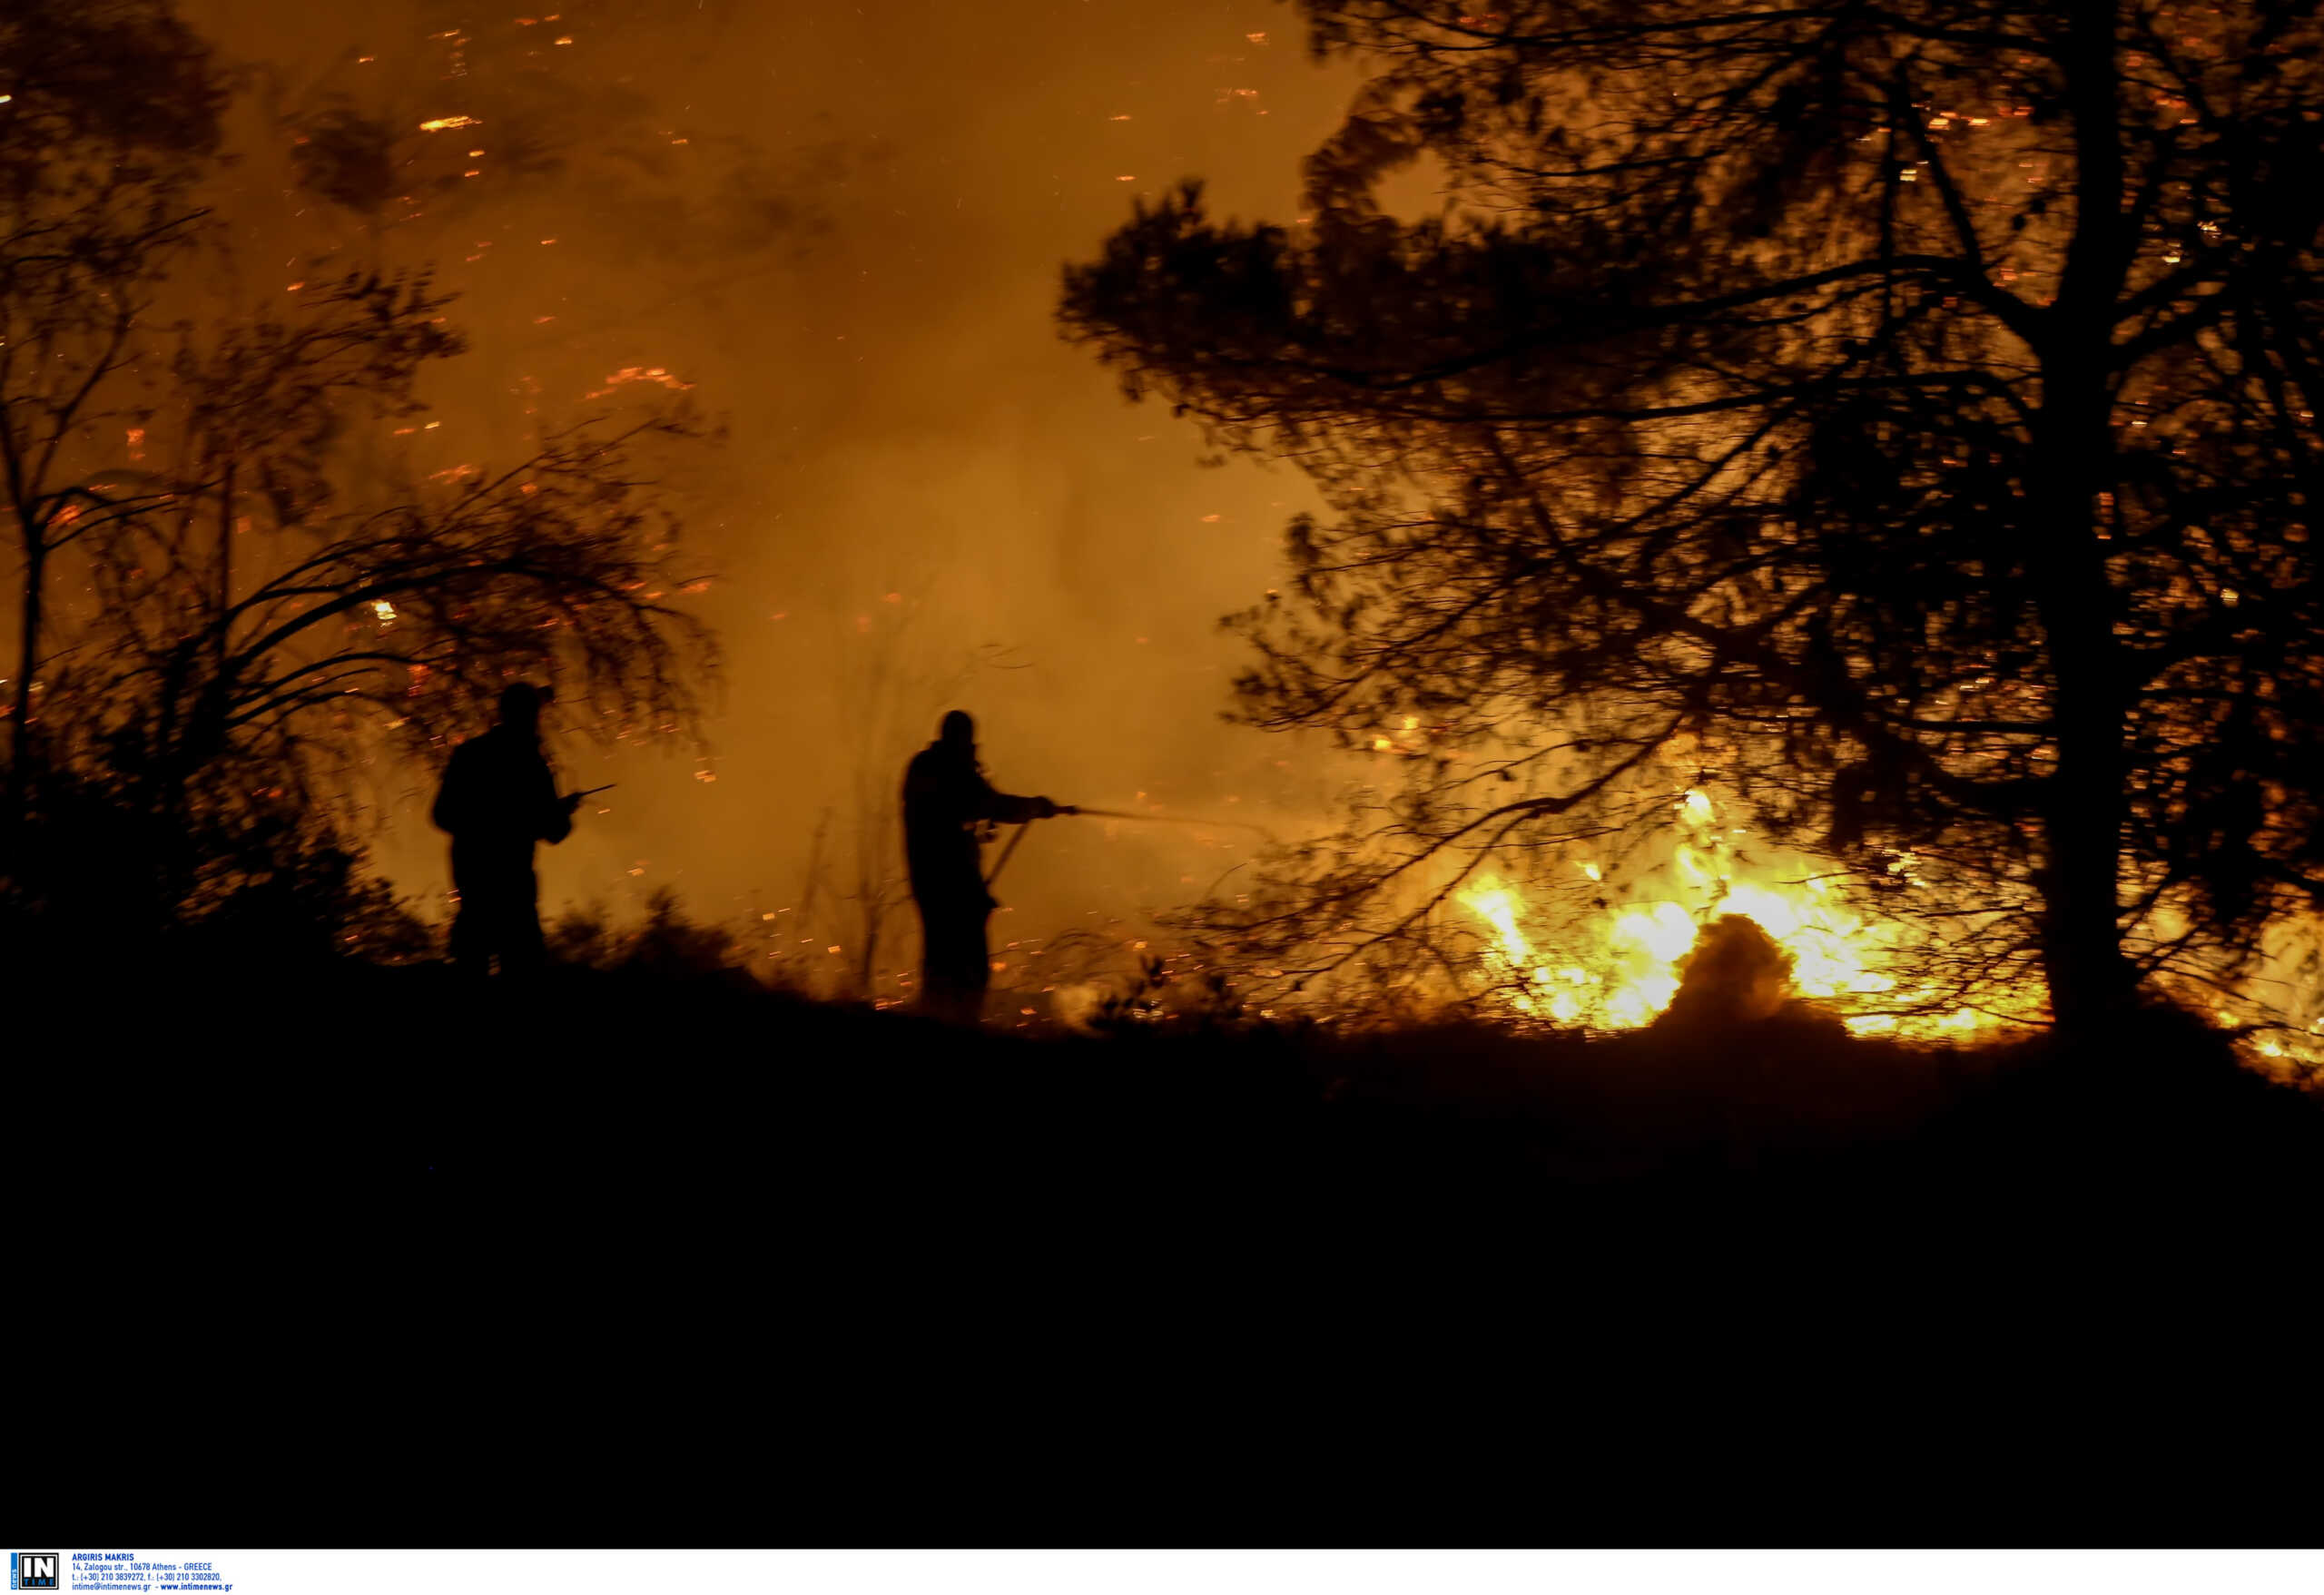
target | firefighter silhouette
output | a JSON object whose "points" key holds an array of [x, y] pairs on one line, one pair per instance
{"points": [[950, 808], [499, 800]]}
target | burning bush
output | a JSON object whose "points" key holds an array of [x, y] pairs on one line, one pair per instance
{"points": [[1737, 975]]}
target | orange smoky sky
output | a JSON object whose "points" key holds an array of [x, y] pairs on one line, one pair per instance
{"points": [[838, 230]]}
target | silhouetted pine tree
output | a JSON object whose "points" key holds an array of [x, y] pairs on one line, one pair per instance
{"points": [[1906, 410]]}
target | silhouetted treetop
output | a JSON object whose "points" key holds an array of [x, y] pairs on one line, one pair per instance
{"points": [[1910, 408], [95, 85], [233, 593]]}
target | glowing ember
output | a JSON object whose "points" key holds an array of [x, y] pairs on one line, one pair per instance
{"points": [[627, 374], [442, 123]]}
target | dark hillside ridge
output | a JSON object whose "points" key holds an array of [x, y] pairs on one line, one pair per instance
{"points": [[727, 1113], [1783, 1285]]}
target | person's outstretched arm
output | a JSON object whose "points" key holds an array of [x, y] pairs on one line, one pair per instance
{"points": [[1009, 808]]}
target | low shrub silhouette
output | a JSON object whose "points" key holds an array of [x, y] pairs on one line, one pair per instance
{"points": [[89, 878], [664, 944]]}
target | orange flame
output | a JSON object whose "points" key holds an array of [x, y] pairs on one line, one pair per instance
{"points": [[1619, 968]]}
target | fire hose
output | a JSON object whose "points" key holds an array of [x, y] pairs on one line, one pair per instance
{"points": [[1019, 835], [1001, 862], [1165, 819]]}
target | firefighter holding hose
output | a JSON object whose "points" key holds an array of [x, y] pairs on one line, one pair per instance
{"points": [[950, 808]]}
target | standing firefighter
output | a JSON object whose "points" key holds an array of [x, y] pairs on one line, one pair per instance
{"points": [[498, 799], [949, 809]]}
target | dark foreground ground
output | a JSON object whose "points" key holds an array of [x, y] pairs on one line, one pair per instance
{"points": [[1844, 1283]]}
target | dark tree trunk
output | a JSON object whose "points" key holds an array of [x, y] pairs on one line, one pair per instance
{"points": [[2085, 807], [2090, 979], [206, 733], [20, 734]]}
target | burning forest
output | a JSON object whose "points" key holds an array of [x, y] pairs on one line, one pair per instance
{"points": [[1664, 586], [1645, 669], [1629, 586], [364, 370]]}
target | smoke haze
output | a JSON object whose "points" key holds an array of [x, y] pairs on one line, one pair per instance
{"points": [[838, 230]]}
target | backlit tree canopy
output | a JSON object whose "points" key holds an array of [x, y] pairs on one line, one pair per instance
{"points": [[1907, 410], [233, 591]]}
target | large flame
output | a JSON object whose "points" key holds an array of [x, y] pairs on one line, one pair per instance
{"points": [[1619, 966]]}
